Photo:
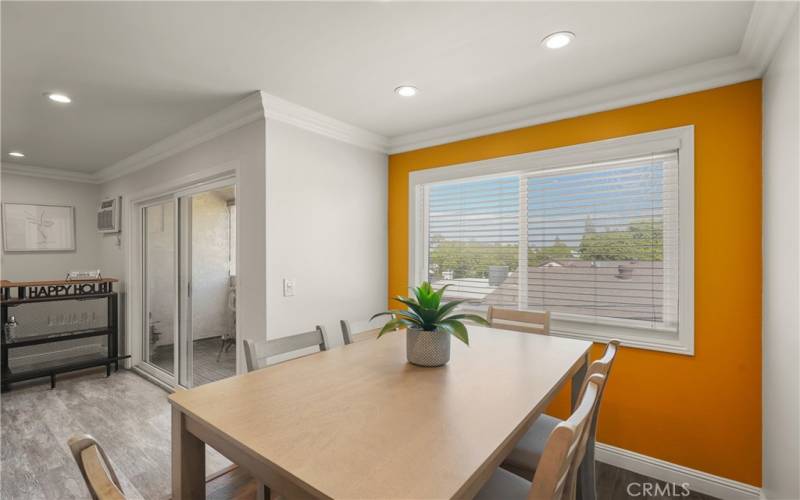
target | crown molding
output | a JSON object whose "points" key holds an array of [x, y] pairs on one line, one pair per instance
{"points": [[701, 76], [48, 173], [767, 25], [768, 22], [237, 115], [282, 110], [258, 105]]}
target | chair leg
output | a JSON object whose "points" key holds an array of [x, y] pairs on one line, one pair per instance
{"points": [[221, 348]]}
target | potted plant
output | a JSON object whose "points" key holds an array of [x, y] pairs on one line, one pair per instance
{"points": [[429, 324]]}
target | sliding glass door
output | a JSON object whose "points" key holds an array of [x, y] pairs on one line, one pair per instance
{"points": [[189, 286], [160, 259]]}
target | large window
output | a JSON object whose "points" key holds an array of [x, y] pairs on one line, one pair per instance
{"points": [[592, 234]]}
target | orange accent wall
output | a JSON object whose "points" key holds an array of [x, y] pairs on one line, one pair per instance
{"points": [[702, 411]]}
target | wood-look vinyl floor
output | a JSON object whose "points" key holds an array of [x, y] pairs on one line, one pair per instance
{"points": [[205, 367], [614, 483], [130, 417]]}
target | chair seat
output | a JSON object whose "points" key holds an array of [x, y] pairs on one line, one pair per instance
{"points": [[504, 485], [526, 454]]}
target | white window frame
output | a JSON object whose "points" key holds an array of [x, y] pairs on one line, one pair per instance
{"points": [[631, 333]]}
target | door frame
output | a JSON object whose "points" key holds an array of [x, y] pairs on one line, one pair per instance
{"points": [[152, 370], [226, 174]]}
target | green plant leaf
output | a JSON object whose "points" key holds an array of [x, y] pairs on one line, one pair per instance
{"points": [[426, 296], [391, 326], [419, 294], [457, 329], [377, 315], [440, 294], [426, 311], [411, 304], [403, 314], [445, 309]]}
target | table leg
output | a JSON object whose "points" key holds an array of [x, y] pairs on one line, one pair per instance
{"points": [[586, 479], [188, 461], [262, 491]]}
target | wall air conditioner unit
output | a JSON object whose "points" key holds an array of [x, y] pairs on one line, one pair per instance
{"points": [[108, 216]]}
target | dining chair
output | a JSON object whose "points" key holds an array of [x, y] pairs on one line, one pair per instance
{"points": [[520, 321], [526, 455], [95, 468], [256, 353], [356, 331], [101, 480], [556, 477]]}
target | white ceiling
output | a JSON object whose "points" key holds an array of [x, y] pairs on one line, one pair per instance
{"points": [[140, 71]]}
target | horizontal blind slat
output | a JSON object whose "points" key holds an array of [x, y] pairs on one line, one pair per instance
{"points": [[601, 240]]}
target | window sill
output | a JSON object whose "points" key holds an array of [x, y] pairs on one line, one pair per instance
{"points": [[627, 332], [636, 337]]}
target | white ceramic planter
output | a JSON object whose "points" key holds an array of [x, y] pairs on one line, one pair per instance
{"points": [[427, 348]]}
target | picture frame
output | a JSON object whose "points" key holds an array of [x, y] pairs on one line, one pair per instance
{"points": [[38, 228]]}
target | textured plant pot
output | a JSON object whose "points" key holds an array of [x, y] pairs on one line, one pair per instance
{"points": [[427, 348]]}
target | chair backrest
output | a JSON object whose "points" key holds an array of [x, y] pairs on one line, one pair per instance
{"points": [[599, 368], [256, 354], [556, 473], [356, 331], [604, 363], [520, 321], [95, 468]]}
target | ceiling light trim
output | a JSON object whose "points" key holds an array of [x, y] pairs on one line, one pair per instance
{"points": [[48, 173], [566, 38], [276, 108], [237, 115], [58, 97]]}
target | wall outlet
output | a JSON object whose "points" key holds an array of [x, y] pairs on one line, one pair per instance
{"points": [[288, 287]]}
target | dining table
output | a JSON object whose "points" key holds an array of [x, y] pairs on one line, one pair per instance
{"points": [[360, 421]]}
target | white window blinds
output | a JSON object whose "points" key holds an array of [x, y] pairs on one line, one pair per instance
{"points": [[473, 237], [590, 243]]}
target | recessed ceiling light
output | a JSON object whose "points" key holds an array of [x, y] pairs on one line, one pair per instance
{"points": [[60, 98], [558, 39], [16, 154], [406, 91]]}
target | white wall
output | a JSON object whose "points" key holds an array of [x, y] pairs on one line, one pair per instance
{"points": [[781, 330], [326, 229], [53, 265], [242, 147], [37, 319]]}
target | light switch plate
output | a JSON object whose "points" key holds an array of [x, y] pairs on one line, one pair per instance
{"points": [[288, 287]]}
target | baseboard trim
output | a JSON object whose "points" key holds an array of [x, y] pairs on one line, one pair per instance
{"points": [[701, 482]]}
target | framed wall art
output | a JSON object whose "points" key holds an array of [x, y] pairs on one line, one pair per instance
{"points": [[38, 228]]}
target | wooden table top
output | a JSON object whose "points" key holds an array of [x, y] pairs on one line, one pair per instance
{"points": [[360, 422]]}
